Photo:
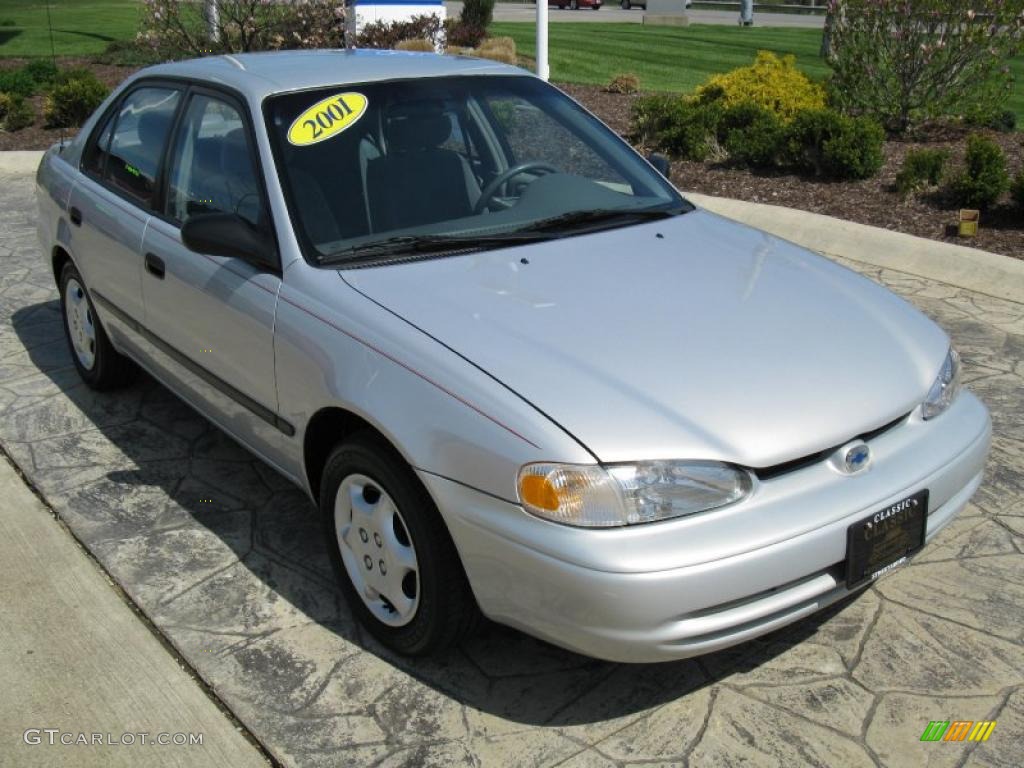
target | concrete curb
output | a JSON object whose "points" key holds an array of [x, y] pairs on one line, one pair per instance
{"points": [[969, 268], [20, 161]]}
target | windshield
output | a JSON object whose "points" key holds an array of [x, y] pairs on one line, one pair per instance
{"points": [[385, 168]]}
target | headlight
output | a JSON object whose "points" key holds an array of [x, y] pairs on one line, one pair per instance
{"points": [[625, 494], [945, 389]]}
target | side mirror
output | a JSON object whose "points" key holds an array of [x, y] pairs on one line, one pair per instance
{"points": [[228, 234], [661, 163]]}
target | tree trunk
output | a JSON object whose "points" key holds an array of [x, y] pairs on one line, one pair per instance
{"points": [[826, 35]]}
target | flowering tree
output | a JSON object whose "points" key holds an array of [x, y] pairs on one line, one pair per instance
{"points": [[185, 27], [909, 61]]}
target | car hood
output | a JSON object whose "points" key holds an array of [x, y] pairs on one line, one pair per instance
{"points": [[691, 337]]}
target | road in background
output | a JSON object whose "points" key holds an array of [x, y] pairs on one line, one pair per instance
{"points": [[611, 13]]}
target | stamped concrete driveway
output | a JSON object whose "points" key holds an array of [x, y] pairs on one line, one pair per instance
{"points": [[226, 560]]}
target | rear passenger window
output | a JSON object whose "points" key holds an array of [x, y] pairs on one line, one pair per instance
{"points": [[211, 168], [96, 157], [140, 133]]}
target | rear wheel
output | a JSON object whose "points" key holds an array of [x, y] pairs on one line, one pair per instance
{"points": [[625, 5], [391, 551], [97, 362]]}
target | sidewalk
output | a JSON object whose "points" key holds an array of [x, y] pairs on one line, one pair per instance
{"points": [[74, 656]]}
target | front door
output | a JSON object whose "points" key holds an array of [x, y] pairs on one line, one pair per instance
{"points": [[213, 316]]}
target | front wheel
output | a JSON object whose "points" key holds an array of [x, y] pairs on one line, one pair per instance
{"points": [[625, 5], [391, 551]]}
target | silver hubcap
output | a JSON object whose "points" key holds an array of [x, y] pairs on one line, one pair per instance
{"points": [[81, 327], [376, 549]]}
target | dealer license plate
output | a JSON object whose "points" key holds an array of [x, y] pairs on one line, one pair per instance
{"points": [[885, 540]]}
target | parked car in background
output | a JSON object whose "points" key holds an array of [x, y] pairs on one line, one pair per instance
{"points": [[575, 5], [517, 372], [627, 4]]}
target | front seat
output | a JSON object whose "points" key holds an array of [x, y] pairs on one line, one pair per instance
{"points": [[416, 181], [241, 193]]}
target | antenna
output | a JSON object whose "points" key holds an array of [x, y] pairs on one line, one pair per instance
{"points": [[53, 58]]}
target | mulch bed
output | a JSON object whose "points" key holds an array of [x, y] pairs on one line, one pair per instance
{"points": [[38, 137], [873, 201]]}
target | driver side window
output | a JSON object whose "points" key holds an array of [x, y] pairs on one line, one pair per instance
{"points": [[212, 168]]}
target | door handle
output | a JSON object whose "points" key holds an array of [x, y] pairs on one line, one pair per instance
{"points": [[75, 216], [155, 266]]}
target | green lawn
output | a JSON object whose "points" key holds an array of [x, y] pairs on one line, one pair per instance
{"points": [[80, 27], [665, 58], [677, 58]]}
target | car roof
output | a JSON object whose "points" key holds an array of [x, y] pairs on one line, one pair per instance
{"points": [[257, 75]]}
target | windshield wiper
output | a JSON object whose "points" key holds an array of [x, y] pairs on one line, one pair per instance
{"points": [[402, 244], [544, 229], [573, 219]]}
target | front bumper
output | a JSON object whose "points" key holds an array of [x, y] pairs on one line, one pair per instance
{"points": [[694, 585]]}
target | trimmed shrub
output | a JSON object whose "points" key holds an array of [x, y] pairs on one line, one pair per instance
{"points": [[681, 127], [752, 135], [479, 13], [994, 118], [983, 178], [825, 143], [1017, 189], [461, 34], [17, 112], [42, 71], [921, 168], [626, 83], [17, 81], [71, 99], [388, 34], [856, 152], [132, 53], [415, 45], [770, 82]]}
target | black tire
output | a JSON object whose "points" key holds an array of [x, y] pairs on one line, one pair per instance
{"points": [[574, 5], [625, 5], [446, 611], [109, 369]]}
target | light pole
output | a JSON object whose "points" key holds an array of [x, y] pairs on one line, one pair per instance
{"points": [[746, 13], [212, 14], [542, 40]]}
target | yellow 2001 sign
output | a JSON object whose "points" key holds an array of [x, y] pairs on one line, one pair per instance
{"points": [[327, 118]]}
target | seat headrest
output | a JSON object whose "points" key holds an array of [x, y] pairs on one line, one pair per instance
{"points": [[234, 154], [417, 125], [152, 127]]}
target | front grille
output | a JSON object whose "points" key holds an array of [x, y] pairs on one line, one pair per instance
{"points": [[767, 473]]}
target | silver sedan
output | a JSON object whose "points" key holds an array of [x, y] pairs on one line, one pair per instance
{"points": [[519, 374]]}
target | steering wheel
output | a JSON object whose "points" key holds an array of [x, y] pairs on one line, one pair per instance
{"points": [[490, 190]]}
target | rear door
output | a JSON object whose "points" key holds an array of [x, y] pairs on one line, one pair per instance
{"points": [[112, 202], [213, 316]]}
